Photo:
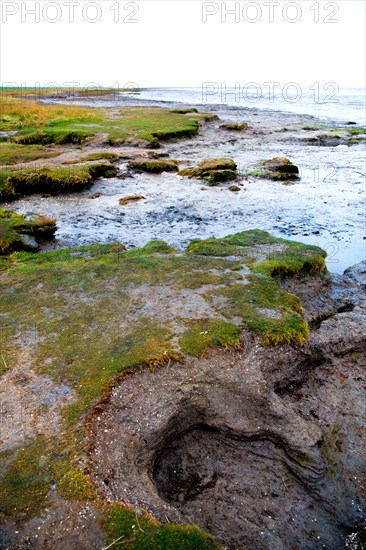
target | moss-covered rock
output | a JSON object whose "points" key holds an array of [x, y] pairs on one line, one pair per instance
{"points": [[277, 168], [20, 233], [214, 170], [236, 126], [153, 166]]}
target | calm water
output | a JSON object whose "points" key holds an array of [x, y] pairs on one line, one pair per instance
{"points": [[327, 103]]}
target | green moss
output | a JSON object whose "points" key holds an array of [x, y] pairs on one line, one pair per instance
{"points": [[147, 344], [153, 166], [45, 124], [352, 130], [233, 245], [156, 247], [212, 170], [212, 247], [136, 530], [356, 131], [263, 305], [29, 472], [329, 448], [236, 126], [13, 153], [294, 259], [219, 176], [3, 367], [277, 168], [152, 124], [252, 237], [75, 485], [27, 476], [259, 173], [52, 180], [103, 155], [209, 333], [48, 136], [13, 225], [265, 308]]}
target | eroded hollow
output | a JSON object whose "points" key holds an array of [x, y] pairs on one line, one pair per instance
{"points": [[224, 442], [243, 491]]}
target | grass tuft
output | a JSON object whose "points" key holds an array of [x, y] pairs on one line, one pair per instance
{"points": [[209, 333], [137, 530]]}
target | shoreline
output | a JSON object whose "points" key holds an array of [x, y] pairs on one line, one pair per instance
{"points": [[176, 210]]}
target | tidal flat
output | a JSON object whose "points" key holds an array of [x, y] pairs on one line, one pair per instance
{"points": [[323, 207], [182, 359]]}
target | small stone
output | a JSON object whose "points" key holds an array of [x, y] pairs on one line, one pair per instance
{"points": [[130, 198], [29, 242]]}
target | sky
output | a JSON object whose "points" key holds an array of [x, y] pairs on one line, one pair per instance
{"points": [[176, 43]]}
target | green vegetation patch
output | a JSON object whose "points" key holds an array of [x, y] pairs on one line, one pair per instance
{"points": [[265, 308], [352, 130], [27, 475], [214, 170], [74, 484], [153, 166], [137, 530], [209, 333], [292, 258], [236, 126], [27, 115], [14, 226], [29, 472], [52, 180], [329, 448], [63, 124], [262, 304], [13, 153], [103, 155], [277, 168]]}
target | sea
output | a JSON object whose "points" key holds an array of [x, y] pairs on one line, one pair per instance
{"points": [[328, 102]]}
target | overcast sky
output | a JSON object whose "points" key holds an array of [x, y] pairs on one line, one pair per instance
{"points": [[183, 43]]}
